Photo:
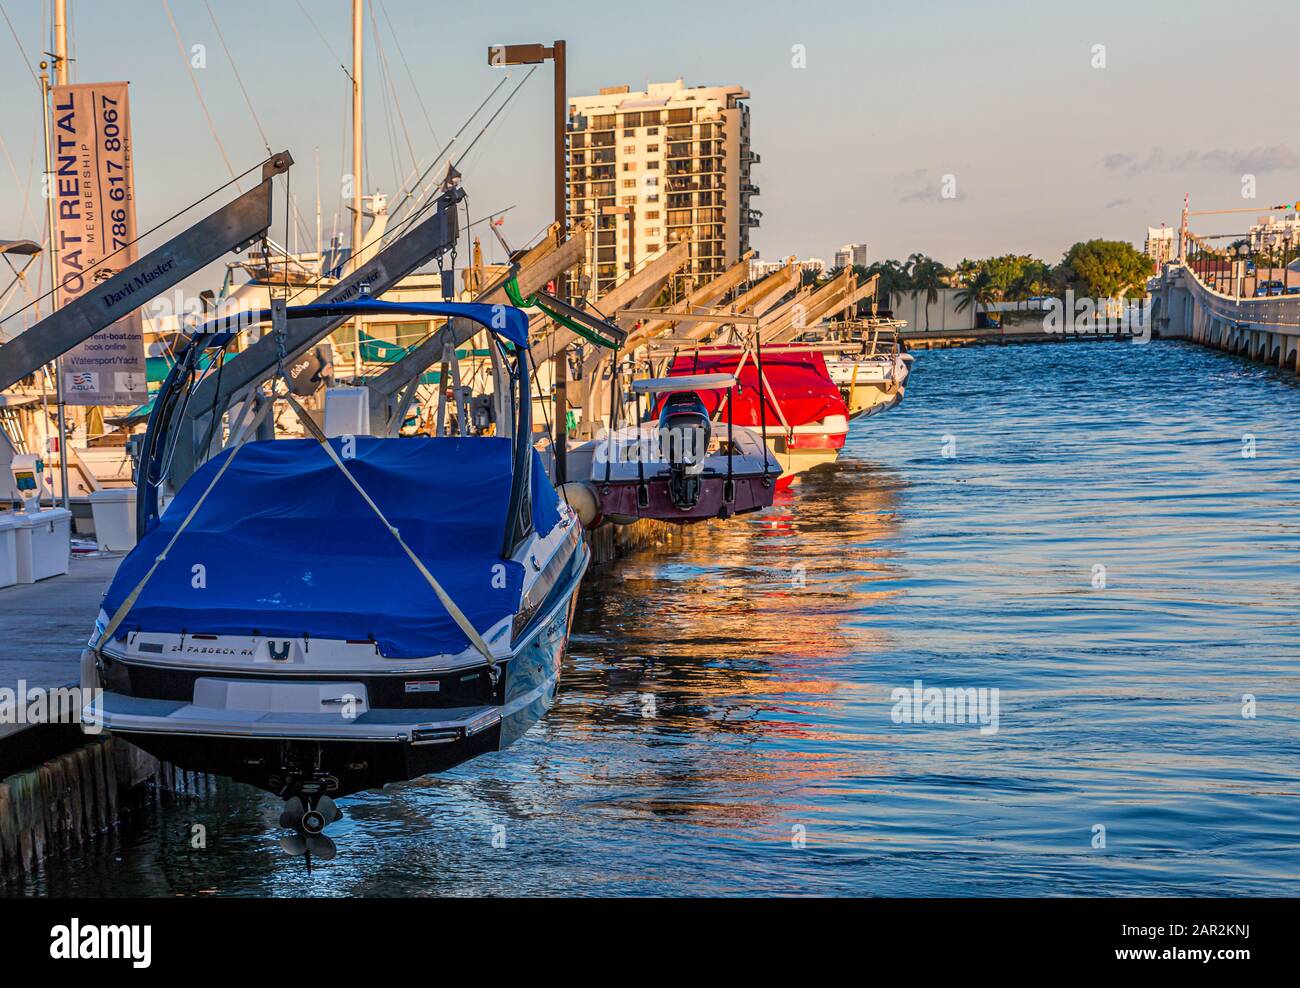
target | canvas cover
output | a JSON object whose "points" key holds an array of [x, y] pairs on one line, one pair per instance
{"points": [[285, 546], [799, 382]]}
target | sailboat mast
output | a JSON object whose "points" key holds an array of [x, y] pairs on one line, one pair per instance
{"points": [[61, 78], [61, 42], [357, 114], [319, 247]]}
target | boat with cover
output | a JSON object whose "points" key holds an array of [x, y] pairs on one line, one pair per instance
{"points": [[801, 414], [320, 616], [682, 466]]}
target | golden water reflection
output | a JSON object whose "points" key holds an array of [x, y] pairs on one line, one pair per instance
{"points": [[752, 629]]}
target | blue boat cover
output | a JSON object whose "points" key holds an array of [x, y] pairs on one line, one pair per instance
{"points": [[285, 546]]}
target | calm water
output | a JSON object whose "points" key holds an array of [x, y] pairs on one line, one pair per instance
{"points": [[728, 699]]}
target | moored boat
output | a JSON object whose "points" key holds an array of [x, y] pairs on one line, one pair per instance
{"points": [[801, 414], [870, 384], [866, 360], [320, 616], [682, 466]]}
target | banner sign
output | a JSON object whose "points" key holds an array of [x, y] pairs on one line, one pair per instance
{"points": [[93, 187]]}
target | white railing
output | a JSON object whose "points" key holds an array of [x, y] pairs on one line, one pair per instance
{"points": [[1281, 311]]}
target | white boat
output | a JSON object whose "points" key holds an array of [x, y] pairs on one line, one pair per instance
{"points": [[866, 361], [681, 466], [325, 615], [870, 384]]}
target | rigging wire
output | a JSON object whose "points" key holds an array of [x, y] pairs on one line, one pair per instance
{"points": [[397, 43], [328, 46], [392, 89], [153, 229], [386, 106], [394, 156], [419, 184], [22, 54], [27, 209], [180, 47], [252, 111], [492, 119], [395, 230], [238, 78]]}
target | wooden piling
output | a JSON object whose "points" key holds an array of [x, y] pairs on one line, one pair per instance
{"points": [[56, 807], [609, 542], [8, 832]]}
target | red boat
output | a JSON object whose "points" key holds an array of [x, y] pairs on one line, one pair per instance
{"points": [[805, 415]]}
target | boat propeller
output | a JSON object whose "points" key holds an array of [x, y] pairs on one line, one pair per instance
{"points": [[308, 822]]}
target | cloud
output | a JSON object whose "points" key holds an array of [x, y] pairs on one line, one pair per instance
{"points": [[1255, 161], [1117, 203], [923, 194], [918, 185]]}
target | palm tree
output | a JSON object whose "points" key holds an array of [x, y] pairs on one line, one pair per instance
{"points": [[980, 290], [894, 280], [965, 270], [927, 276]]}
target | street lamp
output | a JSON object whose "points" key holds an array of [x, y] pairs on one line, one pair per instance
{"points": [[499, 55]]}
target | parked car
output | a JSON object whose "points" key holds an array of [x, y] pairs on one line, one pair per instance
{"points": [[1270, 288]]}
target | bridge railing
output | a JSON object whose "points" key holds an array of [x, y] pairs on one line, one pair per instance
{"points": [[1270, 310]]}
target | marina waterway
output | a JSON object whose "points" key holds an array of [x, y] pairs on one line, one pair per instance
{"points": [[1105, 534]]}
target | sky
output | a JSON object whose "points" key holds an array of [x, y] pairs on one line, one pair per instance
{"points": [[860, 111]]}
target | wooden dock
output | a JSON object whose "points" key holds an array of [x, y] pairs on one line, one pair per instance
{"points": [[44, 626]]}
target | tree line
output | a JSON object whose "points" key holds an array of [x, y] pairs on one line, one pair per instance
{"points": [[1091, 268]]}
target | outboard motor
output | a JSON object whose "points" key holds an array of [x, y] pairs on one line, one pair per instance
{"points": [[684, 431]]}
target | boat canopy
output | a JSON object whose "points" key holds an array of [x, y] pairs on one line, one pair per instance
{"points": [[284, 546]]}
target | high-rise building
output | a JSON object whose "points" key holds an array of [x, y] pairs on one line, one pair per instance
{"points": [[1274, 231], [1161, 245], [651, 168], [851, 255], [759, 269]]}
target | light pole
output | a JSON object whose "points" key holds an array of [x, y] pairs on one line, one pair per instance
{"points": [[499, 55]]}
